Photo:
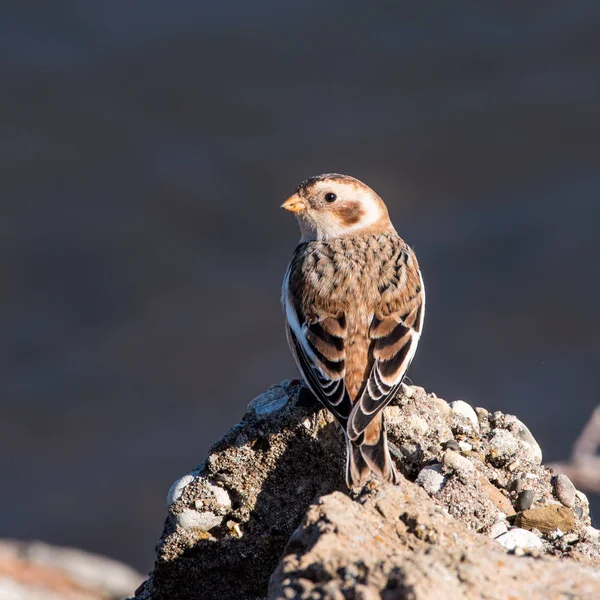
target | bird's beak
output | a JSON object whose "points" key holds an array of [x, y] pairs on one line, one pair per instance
{"points": [[294, 204]]}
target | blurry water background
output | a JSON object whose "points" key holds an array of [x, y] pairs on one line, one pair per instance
{"points": [[145, 149]]}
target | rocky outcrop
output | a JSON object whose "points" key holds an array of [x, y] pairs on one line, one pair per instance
{"points": [[476, 515]]}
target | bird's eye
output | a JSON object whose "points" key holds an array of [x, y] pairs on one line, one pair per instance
{"points": [[330, 197]]}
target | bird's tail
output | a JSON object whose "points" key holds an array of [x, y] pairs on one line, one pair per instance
{"points": [[371, 456]]}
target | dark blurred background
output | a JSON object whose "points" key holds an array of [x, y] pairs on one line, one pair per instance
{"points": [[145, 149]]}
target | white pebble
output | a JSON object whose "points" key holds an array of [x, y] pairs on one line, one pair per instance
{"points": [[407, 390], [418, 424], [504, 443], [220, 494], [431, 479], [593, 533], [556, 534], [460, 407], [177, 488], [442, 406], [498, 529], [203, 521], [582, 497], [519, 538], [272, 400], [465, 446]]}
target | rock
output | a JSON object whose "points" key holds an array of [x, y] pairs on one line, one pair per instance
{"points": [[504, 445], [200, 521], [482, 418], [456, 462], [578, 512], [546, 519], [414, 552], [592, 533], [431, 479], [465, 446], [517, 485], [498, 529], [521, 432], [39, 571], [418, 424], [519, 538], [564, 490], [460, 407], [178, 486], [271, 401], [571, 538], [442, 406], [451, 445], [525, 499], [221, 496], [501, 502], [270, 504]]}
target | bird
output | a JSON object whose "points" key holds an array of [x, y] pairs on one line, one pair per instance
{"points": [[354, 304]]}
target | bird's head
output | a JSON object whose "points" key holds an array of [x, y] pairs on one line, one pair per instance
{"points": [[332, 205]]}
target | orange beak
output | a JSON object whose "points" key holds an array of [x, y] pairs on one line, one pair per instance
{"points": [[294, 204]]}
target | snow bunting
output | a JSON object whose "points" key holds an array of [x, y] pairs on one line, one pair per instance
{"points": [[354, 303]]}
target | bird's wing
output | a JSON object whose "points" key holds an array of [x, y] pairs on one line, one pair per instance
{"points": [[393, 338], [318, 346]]}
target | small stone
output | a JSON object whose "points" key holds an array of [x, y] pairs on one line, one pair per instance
{"points": [[503, 444], [517, 485], [465, 446], [555, 535], [570, 538], [546, 519], [519, 551], [519, 538], [482, 417], [578, 512], [451, 445], [501, 502], [220, 494], [498, 529], [234, 528], [525, 499], [202, 521], [513, 466], [435, 450], [271, 401], [592, 533], [533, 452], [407, 390], [476, 455], [431, 479], [418, 425], [442, 406], [582, 498], [460, 407], [564, 490], [456, 462], [177, 488]]}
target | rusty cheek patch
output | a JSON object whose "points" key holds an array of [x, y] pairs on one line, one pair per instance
{"points": [[349, 214]]}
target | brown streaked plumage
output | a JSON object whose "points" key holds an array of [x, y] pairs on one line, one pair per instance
{"points": [[354, 302]]}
